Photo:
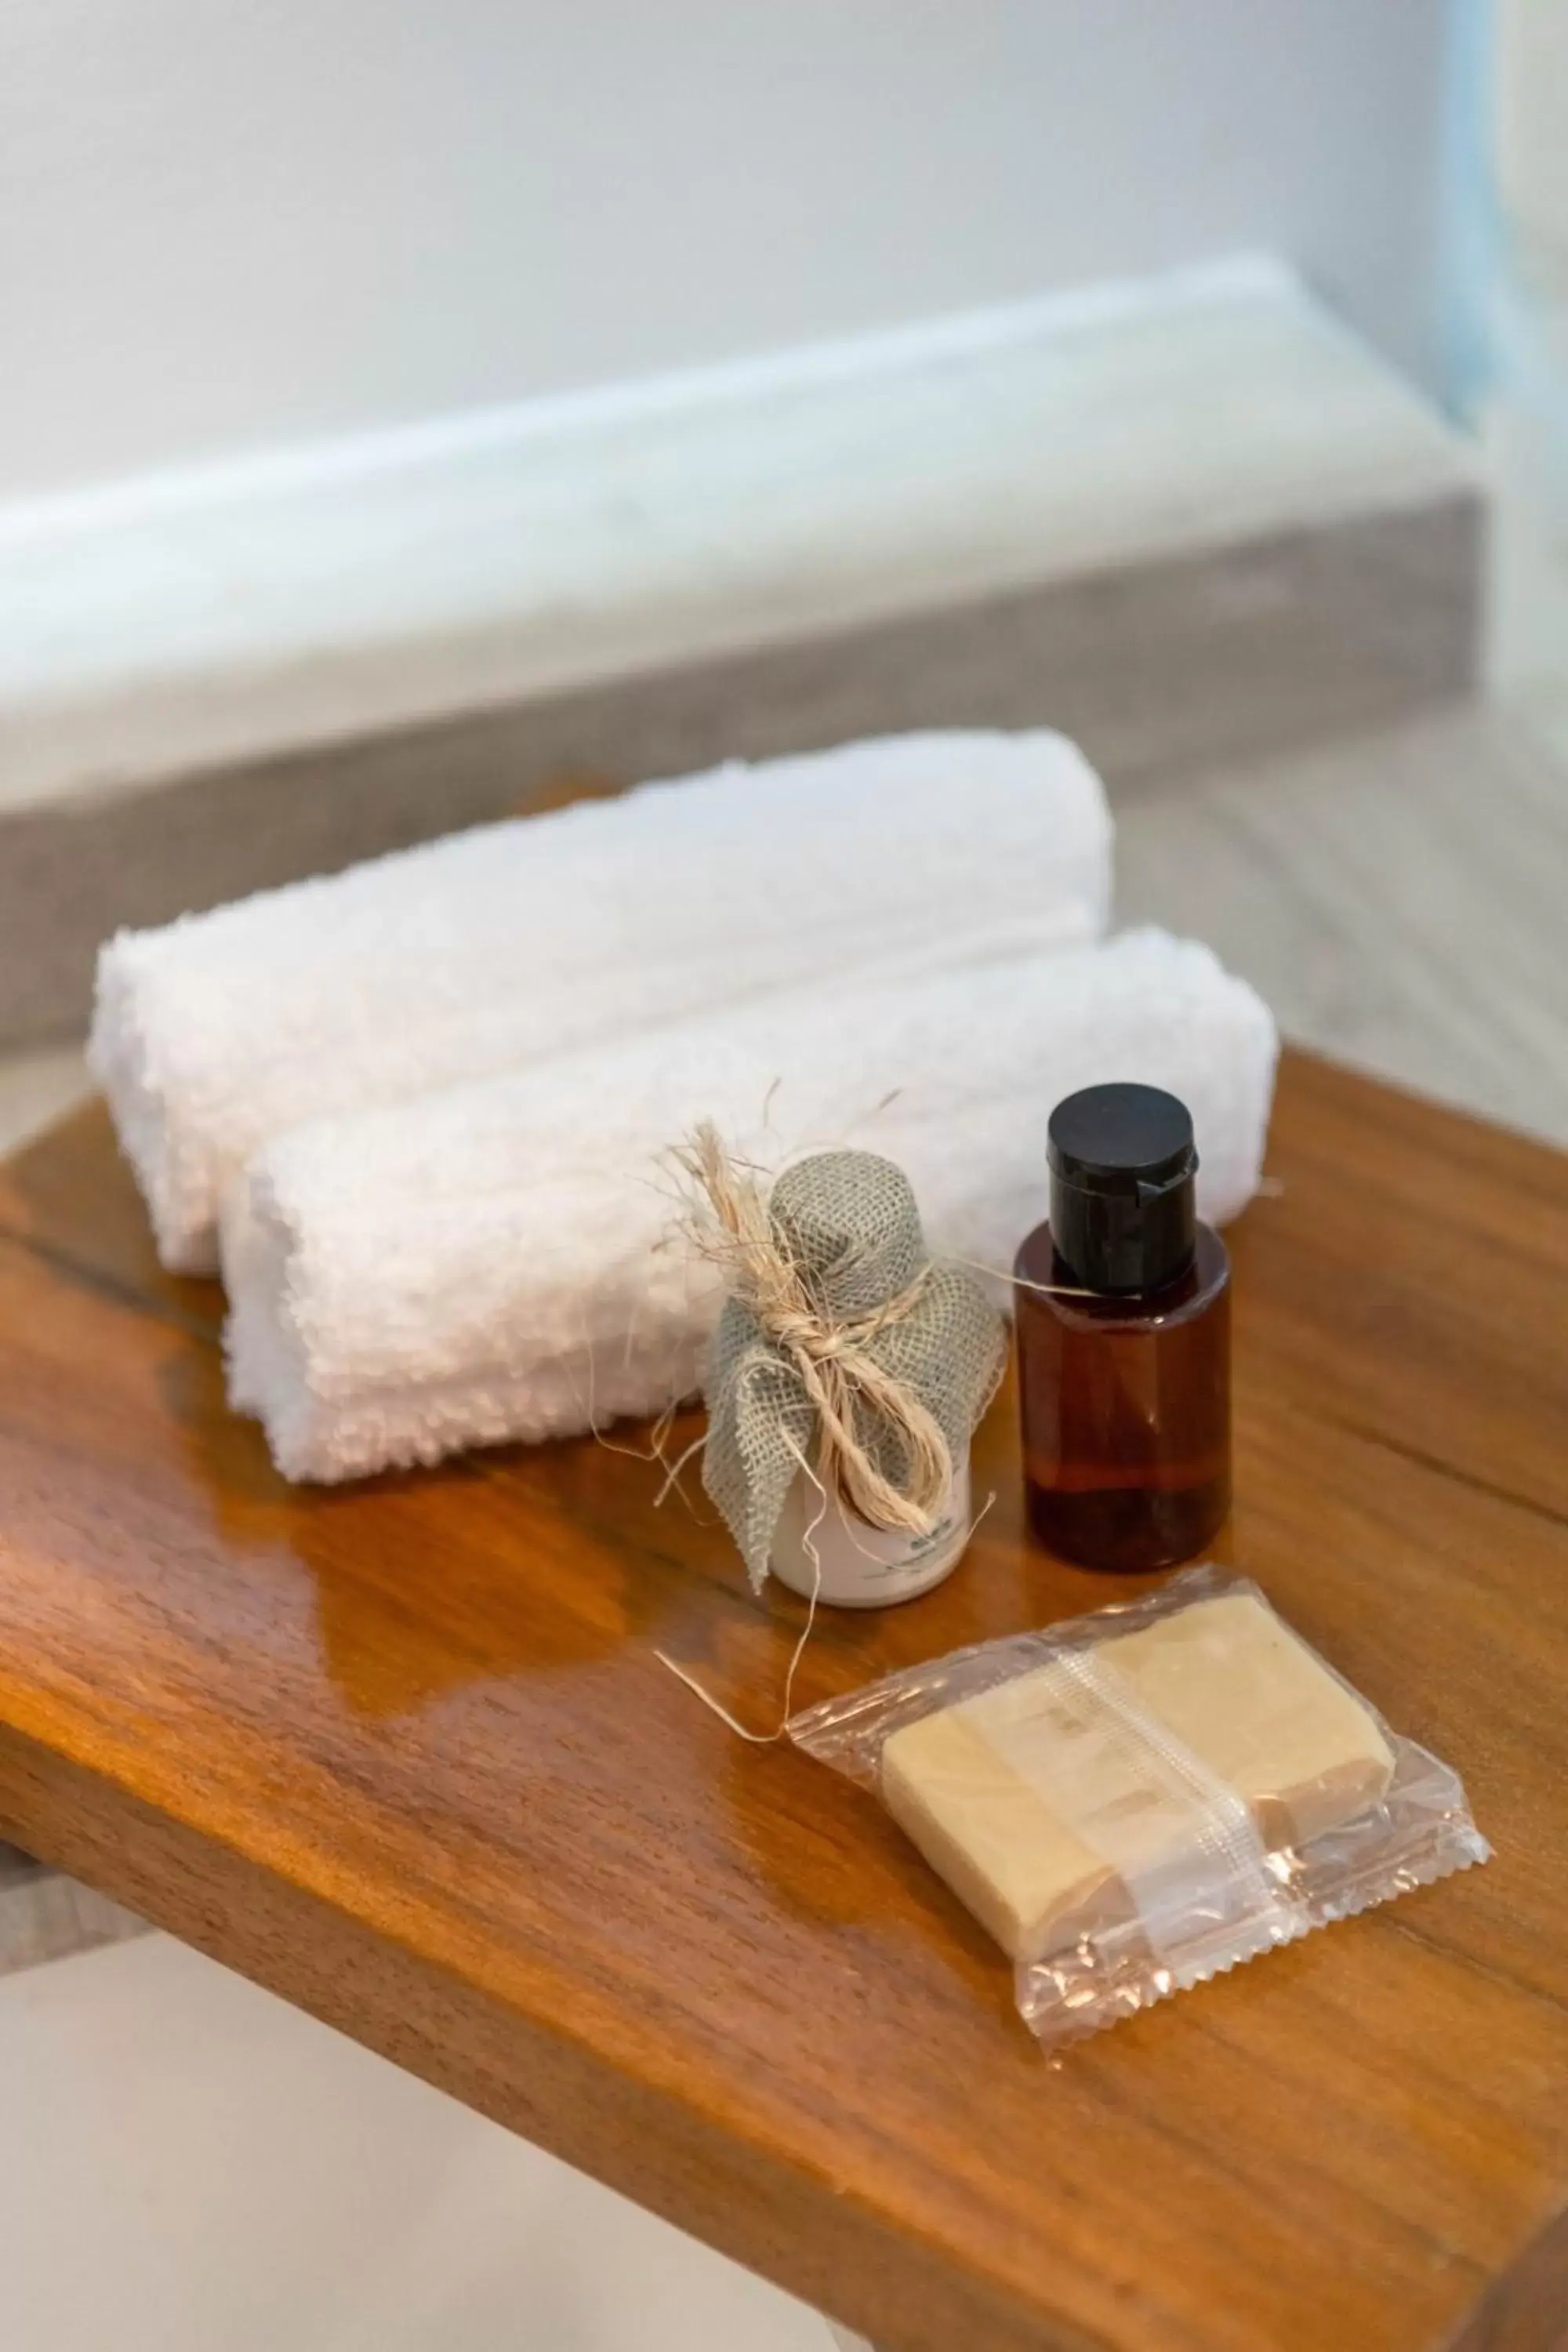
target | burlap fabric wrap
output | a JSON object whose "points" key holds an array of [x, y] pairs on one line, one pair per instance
{"points": [[863, 1294]]}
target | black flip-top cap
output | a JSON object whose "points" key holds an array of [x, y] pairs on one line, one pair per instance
{"points": [[1122, 1162]]}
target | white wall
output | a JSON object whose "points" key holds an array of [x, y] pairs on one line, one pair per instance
{"points": [[225, 226], [1526, 414]]}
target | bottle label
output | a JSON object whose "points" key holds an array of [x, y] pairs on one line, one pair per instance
{"points": [[860, 1566]]}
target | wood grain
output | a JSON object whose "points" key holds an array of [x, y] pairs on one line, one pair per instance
{"points": [[404, 1754]]}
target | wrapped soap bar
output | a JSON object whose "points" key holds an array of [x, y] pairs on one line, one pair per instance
{"points": [[1134, 1801]]}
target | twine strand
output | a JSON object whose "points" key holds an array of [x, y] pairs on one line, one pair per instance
{"points": [[684, 1675]]}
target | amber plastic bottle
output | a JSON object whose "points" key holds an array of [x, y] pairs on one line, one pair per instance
{"points": [[1124, 1363]]}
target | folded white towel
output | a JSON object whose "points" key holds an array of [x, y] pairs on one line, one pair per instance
{"points": [[479, 953], [501, 1260]]}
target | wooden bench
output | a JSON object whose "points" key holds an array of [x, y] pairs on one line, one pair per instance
{"points": [[403, 1753]]}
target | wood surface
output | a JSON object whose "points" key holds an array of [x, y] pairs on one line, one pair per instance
{"points": [[404, 1754]]}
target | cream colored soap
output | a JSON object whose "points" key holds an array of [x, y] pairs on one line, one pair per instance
{"points": [[1038, 1810], [984, 1827], [1251, 1701]]}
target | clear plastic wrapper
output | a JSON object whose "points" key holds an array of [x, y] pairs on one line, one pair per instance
{"points": [[1135, 1801]]}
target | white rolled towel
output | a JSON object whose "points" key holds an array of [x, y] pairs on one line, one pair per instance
{"points": [[479, 953], [503, 1261]]}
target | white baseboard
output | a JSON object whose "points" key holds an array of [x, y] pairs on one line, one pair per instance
{"points": [[153, 629]]}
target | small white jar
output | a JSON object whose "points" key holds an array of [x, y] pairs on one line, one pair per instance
{"points": [[862, 1567]]}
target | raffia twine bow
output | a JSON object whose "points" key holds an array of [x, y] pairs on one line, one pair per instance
{"points": [[842, 1380]]}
